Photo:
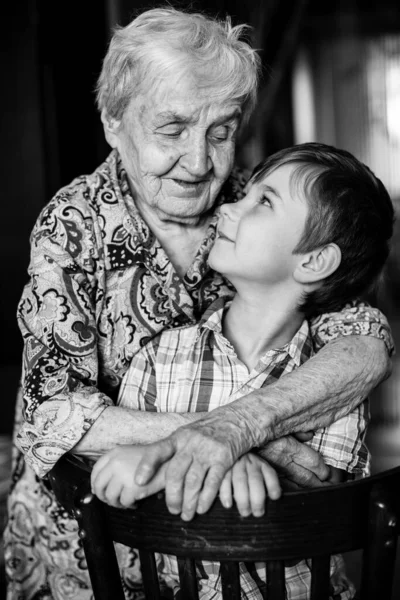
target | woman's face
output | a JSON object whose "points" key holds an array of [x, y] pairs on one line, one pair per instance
{"points": [[177, 145]]}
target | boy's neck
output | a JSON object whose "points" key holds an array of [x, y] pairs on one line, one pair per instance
{"points": [[258, 322]]}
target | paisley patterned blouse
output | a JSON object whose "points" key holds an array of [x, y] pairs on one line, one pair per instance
{"points": [[100, 287]]}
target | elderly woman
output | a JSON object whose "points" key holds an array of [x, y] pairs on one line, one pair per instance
{"points": [[120, 255]]}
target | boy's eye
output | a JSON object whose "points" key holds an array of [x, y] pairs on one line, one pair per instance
{"points": [[265, 200]]}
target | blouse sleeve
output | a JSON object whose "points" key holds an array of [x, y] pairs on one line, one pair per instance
{"points": [[57, 318], [355, 319]]}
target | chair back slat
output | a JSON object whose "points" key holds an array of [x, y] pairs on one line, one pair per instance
{"points": [[320, 574], [149, 574], [380, 552], [276, 580], [188, 579], [99, 549], [314, 523], [230, 580]]}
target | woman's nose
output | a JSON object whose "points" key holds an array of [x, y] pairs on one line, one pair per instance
{"points": [[196, 158]]}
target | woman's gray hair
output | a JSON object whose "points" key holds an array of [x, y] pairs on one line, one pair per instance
{"points": [[162, 41]]}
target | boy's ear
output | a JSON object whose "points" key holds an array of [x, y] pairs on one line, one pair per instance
{"points": [[111, 127], [318, 264]]}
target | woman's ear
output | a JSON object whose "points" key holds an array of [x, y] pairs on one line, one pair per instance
{"points": [[318, 264], [111, 128]]}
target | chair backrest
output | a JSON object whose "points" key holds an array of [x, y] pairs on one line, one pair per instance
{"points": [[309, 524]]}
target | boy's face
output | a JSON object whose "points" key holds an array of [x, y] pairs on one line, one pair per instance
{"points": [[257, 235]]}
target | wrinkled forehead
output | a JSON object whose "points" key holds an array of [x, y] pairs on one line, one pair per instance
{"points": [[171, 73], [181, 100]]}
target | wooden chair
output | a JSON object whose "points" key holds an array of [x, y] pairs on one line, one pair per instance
{"points": [[313, 524]]}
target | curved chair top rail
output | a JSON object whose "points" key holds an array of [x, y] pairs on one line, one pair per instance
{"points": [[297, 525]]}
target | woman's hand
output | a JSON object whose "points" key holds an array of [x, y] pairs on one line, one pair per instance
{"points": [[199, 455], [248, 482], [297, 462], [113, 477]]}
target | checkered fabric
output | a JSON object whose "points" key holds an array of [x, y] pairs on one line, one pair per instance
{"points": [[196, 369]]}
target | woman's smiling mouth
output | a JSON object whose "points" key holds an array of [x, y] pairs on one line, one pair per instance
{"points": [[190, 189]]}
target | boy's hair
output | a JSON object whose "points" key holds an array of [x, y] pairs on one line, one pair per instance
{"points": [[348, 206]]}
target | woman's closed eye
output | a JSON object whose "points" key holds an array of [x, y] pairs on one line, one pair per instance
{"points": [[220, 134], [171, 130]]}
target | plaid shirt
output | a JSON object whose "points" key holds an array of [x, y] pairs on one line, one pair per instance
{"points": [[206, 373]]}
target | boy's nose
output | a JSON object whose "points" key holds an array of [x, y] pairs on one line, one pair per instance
{"points": [[234, 211], [228, 211]]}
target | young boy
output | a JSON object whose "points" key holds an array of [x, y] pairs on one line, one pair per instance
{"points": [[311, 234]]}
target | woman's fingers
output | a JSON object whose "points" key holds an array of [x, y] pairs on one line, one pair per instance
{"points": [[212, 483], [193, 483], [174, 483]]}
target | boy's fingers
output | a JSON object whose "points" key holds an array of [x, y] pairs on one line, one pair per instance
{"points": [[101, 481], [256, 489], [271, 480], [127, 498], [113, 492], [225, 491], [241, 488], [98, 467]]}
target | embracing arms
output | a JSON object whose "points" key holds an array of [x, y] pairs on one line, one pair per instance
{"points": [[325, 388]]}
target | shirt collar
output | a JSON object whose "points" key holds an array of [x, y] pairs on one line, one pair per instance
{"points": [[212, 317], [300, 348]]}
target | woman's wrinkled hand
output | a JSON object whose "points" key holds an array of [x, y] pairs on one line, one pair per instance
{"points": [[199, 455], [297, 462]]}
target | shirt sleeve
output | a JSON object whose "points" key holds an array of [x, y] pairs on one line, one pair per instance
{"points": [[138, 390], [57, 318], [342, 443], [358, 318]]}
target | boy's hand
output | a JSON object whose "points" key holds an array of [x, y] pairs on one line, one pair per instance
{"points": [[113, 477], [249, 480]]}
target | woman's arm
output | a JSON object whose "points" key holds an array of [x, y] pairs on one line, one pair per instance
{"points": [[121, 426], [56, 315], [63, 407]]}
